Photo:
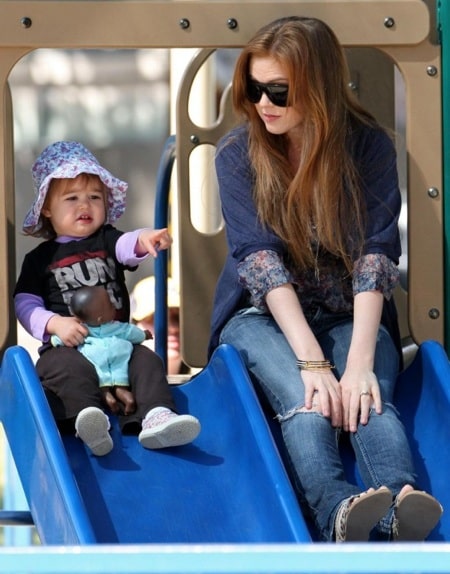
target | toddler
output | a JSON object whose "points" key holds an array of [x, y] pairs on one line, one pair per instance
{"points": [[76, 202]]}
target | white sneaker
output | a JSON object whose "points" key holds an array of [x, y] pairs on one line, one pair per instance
{"points": [[92, 426], [162, 428]]}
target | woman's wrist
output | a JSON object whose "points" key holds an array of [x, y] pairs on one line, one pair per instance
{"points": [[323, 366]]}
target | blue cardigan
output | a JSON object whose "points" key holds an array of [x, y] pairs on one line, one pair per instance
{"points": [[375, 157]]}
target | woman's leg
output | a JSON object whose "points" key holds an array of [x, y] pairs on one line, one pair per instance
{"points": [[381, 447], [311, 441]]}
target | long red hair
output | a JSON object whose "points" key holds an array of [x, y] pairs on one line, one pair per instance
{"points": [[319, 204]]}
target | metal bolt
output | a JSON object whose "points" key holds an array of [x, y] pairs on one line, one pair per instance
{"points": [[433, 313], [26, 22], [432, 71], [433, 192], [389, 22], [194, 139], [184, 23], [232, 23]]}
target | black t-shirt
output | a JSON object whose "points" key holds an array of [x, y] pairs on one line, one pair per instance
{"points": [[53, 271]]}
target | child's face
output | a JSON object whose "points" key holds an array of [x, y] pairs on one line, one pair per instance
{"points": [[76, 207]]}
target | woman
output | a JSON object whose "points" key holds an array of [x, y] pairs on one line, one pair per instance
{"points": [[310, 197]]}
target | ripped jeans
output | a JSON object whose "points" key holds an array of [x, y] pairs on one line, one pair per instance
{"points": [[381, 448]]}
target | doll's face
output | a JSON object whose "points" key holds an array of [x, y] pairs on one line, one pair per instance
{"points": [[93, 306], [102, 310]]}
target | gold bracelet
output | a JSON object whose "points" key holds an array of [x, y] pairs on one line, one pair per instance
{"points": [[314, 366]]}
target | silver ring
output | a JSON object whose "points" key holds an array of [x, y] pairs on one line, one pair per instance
{"points": [[364, 393]]}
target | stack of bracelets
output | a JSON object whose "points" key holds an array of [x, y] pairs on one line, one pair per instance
{"points": [[315, 366]]}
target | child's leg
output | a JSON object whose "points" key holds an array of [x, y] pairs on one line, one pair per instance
{"points": [[70, 383], [72, 388], [162, 426], [149, 386]]}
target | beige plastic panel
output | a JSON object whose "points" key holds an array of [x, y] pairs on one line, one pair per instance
{"points": [[7, 244], [25, 26], [137, 24], [421, 69]]}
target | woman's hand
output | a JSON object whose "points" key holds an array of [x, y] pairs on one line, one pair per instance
{"points": [[360, 392], [323, 394], [69, 329]]}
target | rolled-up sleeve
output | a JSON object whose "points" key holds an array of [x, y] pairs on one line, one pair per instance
{"points": [[375, 272], [260, 272]]}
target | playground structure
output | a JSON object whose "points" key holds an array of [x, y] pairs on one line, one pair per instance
{"points": [[409, 34]]}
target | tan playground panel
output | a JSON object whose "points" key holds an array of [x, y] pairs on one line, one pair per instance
{"points": [[401, 29]]}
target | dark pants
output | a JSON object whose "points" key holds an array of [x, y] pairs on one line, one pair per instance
{"points": [[71, 384]]}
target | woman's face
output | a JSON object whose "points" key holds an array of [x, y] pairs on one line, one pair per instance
{"points": [[278, 120]]}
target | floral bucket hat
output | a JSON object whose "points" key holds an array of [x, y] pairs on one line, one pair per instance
{"points": [[68, 160]]}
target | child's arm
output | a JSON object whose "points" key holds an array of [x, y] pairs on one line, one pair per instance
{"points": [[153, 240], [32, 314], [42, 324], [133, 247], [69, 329]]}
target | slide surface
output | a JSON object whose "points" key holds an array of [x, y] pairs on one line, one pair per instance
{"points": [[229, 486]]}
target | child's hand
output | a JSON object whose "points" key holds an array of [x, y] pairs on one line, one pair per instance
{"points": [[69, 329], [153, 240]]}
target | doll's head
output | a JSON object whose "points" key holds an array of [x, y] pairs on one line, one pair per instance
{"points": [[92, 305]]}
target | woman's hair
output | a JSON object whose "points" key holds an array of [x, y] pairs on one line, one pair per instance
{"points": [[45, 229], [321, 202]]}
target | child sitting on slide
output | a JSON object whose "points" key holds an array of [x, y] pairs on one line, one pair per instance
{"points": [[76, 202]]}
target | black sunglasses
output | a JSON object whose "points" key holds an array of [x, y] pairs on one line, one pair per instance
{"points": [[277, 93]]}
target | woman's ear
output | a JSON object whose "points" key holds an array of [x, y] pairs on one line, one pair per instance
{"points": [[46, 212]]}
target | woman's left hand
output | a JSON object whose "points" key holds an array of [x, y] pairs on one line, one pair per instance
{"points": [[360, 392]]}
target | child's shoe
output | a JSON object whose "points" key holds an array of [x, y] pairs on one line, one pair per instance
{"points": [[162, 428], [92, 426]]}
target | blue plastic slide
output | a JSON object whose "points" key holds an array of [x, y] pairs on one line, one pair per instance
{"points": [[229, 486], [423, 400]]}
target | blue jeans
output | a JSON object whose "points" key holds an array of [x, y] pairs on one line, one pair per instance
{"points": [[381, 448]]}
